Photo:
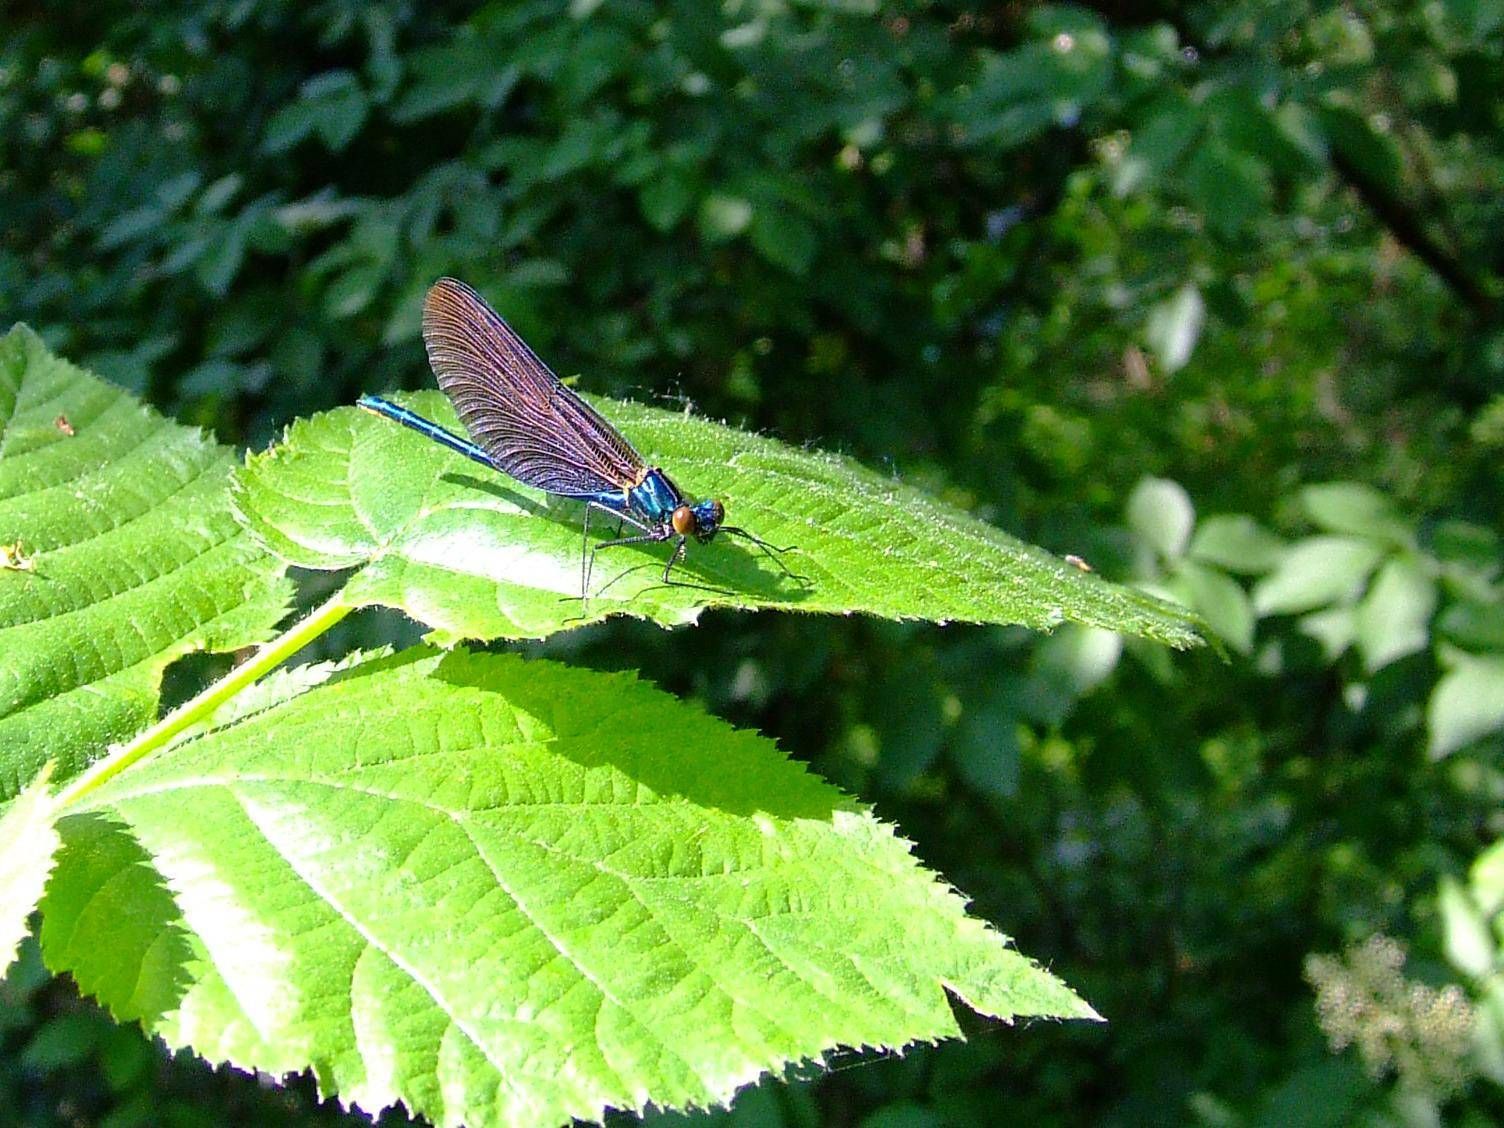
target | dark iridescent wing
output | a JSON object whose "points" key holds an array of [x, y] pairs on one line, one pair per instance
{"points": [[515, 409]]}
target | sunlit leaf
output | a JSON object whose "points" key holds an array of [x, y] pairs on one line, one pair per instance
{"points": [[1315, 572], [1236, 543], [1160, 512], [28, 843], [1220, 600], [1394, 618], [1467, 704], [474, 554], [1174, 326], [1469, 945], [1355, 509], [508, 892], [135, 560]]}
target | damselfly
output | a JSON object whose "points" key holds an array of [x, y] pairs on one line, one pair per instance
{"points": [[527, 424]]}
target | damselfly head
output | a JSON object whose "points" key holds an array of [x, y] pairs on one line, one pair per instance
{"points": [[701, 520]]}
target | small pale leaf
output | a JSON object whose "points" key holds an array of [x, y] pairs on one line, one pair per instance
{"points": [[1467, 704], [1236, 543], [1394, 618], [1220, 600], [1174, 326], [1316, 572], [1160, 512], [1356, 509]]}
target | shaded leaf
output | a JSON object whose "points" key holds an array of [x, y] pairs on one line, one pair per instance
{"points": [[475, 554], [1375, 155], [784, 239], [1231, 188], [1050, 81], [985, 750], [332, 104], [1474, 624], [666, 198]]}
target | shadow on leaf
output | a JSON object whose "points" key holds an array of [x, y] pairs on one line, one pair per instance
{"points": [[104, 884]]}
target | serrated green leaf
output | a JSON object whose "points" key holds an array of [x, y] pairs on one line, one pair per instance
{"points": [[1394, 619], [503, 891], [28, 844], [474, 554], [134, 560], [1315, 572], [1466, 705]]}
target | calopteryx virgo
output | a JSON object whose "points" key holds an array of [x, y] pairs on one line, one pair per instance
{"points": [[528, 425]]}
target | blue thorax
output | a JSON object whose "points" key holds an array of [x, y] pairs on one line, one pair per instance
{"points": [[655, 498], [654, 502]]}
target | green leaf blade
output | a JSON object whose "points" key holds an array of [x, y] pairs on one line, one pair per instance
{"points": [[1466, 705], [134, 560], [506, 891], [1316, 572], [474, 554], [28, 846]]}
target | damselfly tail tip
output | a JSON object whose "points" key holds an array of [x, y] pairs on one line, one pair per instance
{"points": [[374, 404]]}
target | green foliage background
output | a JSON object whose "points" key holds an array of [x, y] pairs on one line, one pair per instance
{"points": [[1108, 277]]}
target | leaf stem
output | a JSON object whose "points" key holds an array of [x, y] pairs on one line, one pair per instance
{"points": [[266, 659]]}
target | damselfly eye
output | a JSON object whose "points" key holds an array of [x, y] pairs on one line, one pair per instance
{"points": [[683, 520], [717, 512]]}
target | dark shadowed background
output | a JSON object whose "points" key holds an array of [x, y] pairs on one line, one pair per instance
{"points": [[1109, 276]]}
